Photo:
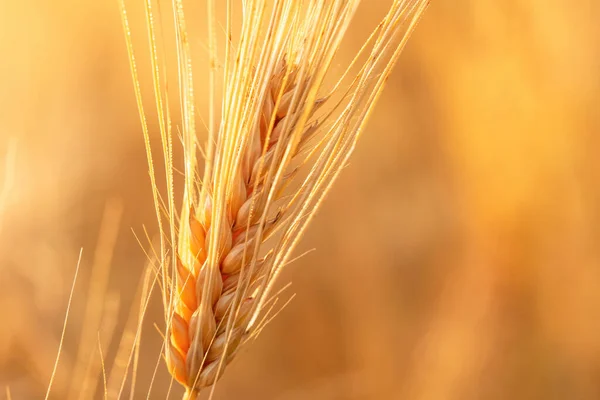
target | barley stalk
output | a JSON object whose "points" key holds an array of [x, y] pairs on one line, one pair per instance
{"points": [[278, 122]]}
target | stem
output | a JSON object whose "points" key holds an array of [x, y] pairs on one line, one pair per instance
{"points": [[190, 394]]}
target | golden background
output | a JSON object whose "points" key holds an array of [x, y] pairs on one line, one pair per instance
{"points": [[456, 258]]}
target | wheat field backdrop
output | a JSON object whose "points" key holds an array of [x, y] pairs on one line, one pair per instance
{"points": [[458, 256]]}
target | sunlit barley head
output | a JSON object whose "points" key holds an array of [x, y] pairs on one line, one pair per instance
{"points": [[286, 127]]}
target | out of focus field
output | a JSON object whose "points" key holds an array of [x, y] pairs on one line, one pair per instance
{"points": [[458, 257]]}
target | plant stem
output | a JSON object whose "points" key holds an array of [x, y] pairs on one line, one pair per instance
{"points": [[190, 394]]}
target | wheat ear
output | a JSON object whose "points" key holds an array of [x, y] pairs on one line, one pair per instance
{"points": [[199, 335], [278, 122]]}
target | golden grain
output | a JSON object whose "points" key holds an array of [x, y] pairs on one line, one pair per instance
{"points": [[279, 120]]}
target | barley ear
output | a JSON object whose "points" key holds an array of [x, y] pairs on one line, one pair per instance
{"points": [[288, 124]]}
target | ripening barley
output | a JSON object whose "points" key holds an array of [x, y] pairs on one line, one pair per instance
{"points": [[282, 139]]}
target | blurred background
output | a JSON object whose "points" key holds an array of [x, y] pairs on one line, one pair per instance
{"points": [[456, 258]]}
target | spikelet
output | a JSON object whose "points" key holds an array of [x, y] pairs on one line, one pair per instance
{"points": [[282, 139]]}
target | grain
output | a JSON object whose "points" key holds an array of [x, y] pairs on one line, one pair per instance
{"points": [[287, 128]]}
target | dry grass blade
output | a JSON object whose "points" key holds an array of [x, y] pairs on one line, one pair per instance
{"points": [[62, 336], [281, 142], [86, 369], [103, 367]]}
